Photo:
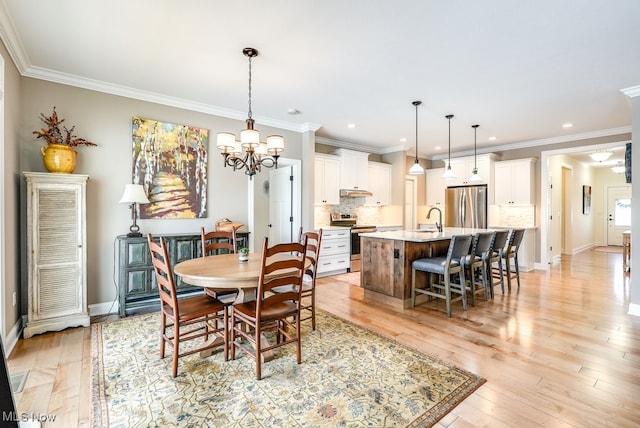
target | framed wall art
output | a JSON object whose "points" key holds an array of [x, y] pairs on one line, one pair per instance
{"points": [[170, 161], [586, 199]]}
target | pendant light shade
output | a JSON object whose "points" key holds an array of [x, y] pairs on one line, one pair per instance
{"points": [[475, 178], [449, 172], [416, 168]]}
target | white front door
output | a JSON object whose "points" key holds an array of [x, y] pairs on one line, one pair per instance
{"points": [[281, 210], [618, 213]]}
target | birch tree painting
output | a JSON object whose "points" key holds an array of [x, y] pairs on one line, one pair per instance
{"points": [[170, 161]]}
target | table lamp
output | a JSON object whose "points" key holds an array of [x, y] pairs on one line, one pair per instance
{"points": [[134, 194]]}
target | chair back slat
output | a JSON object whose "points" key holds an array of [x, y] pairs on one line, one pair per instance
{"points": [[314, 240], [164, 275], [218, 242], [277, 272]]}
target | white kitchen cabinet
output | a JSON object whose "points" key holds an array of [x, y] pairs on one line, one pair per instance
{"points": [[435, 186], [327, 179], [354, 169], [335, 252], [56, 252], [463, 168], [379, 184], [514, 182]]}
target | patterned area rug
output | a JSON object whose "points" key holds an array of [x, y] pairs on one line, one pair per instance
{"points": [[349, 376]]}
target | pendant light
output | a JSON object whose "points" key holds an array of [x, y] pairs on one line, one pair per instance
{"points": [[475, 178], [449, 172], [416, 169]]}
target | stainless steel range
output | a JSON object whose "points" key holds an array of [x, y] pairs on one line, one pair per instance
{"points": [[351, 221]]}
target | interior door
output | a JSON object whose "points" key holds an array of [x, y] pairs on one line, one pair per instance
{"points": [[281, 206], [410, 200], [618, 213]]}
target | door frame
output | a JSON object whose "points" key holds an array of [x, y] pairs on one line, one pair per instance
{"points": [[545, 194], [257, 222], [414, 202]]}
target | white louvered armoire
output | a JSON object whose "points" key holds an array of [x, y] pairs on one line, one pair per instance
{"points": [[56, 252]]}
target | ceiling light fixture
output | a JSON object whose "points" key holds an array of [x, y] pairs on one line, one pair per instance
{"points": [[416, 169], [256, 154], [449, 172], [600, 155], [619, 168], [475, 178]]}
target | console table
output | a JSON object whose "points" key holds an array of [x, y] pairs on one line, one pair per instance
{"points": [[137, 287]]}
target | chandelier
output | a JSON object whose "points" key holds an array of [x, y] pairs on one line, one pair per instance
{"points": [[249, 153]]}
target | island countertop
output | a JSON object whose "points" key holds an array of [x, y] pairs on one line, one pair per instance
{"points": [[423, 235]]}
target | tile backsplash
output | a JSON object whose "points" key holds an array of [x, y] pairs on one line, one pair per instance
{"points": [[515, 216], [367, 214]]}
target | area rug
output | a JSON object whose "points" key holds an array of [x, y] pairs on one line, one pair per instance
{"points": [[608, 249], [349, 376]]}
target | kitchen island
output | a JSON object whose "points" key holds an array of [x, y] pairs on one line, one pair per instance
{"points": [[387, 256]]}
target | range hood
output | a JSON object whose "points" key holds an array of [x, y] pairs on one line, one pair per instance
{"points": [[354, 193]]}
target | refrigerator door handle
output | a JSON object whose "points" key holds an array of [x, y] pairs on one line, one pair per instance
{"points": [[462, 208]]}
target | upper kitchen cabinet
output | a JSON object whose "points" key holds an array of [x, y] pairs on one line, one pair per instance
{"points": [[379, 184], [327, 179], [435, 186], [463, 168], [354, 169], [514, 182]]}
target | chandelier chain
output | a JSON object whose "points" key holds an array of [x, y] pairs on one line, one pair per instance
{"points": [[250, 113]]}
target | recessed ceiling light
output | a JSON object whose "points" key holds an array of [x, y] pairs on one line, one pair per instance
{"points": [[567, 125], [351, 126], [293, 111], [438, 147], [403, 140], [492, 138]]}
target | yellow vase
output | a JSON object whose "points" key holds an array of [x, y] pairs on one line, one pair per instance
{"points": [[59, 158]]}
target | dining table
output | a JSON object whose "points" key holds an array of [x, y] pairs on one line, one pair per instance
{"points": [[226, 271]]}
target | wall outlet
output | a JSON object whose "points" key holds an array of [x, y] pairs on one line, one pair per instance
{"points": [[14, 298]]}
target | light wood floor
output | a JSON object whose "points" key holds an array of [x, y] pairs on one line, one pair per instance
{"points": [[560, 352]]}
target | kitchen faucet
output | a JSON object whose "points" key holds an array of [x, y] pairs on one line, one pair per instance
{"points": [[438, 225]]}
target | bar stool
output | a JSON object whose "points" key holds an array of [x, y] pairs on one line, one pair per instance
{"points": [[495, 272], [476, 264], [510, 257], [446, 267]]}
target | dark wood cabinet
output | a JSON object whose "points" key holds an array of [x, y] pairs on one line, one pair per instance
{"points": [[137, 288]]}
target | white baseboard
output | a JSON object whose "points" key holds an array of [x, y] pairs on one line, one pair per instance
{"points": [[12, 337], [634, 309], [103, 308]]}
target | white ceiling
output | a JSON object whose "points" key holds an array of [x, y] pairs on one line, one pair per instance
{"points": [[519, 69]]}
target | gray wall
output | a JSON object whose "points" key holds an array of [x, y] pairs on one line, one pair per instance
{"points": [[106, 120]]}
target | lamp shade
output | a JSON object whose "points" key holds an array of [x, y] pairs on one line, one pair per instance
{"points": [[416, 168], [133, 193]]}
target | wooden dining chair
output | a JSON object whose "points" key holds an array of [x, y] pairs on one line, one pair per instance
{"points": [[185, 319], [281, 265], [219, 242], [308, 294]]}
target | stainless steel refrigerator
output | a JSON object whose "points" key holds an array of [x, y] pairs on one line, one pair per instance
{"points": [[466, 206]]}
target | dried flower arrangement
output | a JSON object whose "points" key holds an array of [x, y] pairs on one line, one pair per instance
{"points": [[53, 135]]}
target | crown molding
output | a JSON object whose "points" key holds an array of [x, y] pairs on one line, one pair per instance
{"points": [[359, 147], [11, 41], [631, 92], [543, 142]]}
